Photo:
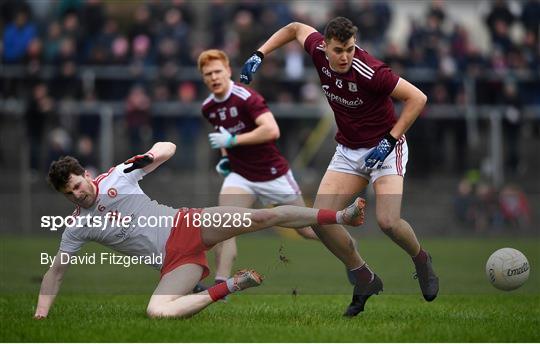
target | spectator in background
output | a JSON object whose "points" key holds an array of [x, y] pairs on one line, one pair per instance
{"points": [[34, 57], [217, 19], [71, 26], [90, 122], [67, 84], [39, 108], [120, 51], [86, 155], [512, 122], [142, 24], [373, 18], [188, 127], [53, 40], [93, 19], [161, 96], [486, 214], [137, 117], [175, 34], [499, 20], [141, 54], [17, 36], [515, 206], [463, 202], [59, 144], [248, 34], [530, 16], [186, 9]]}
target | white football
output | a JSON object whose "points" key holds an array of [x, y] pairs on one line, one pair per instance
{"points": [[507, 269]]}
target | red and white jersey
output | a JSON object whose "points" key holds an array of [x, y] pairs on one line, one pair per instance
{"points": [[120, 196], [360, 98], [237, 112]]}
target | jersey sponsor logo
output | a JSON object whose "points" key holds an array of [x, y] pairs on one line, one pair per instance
{"points": [[237, 128], [233, 111], [326, 72], [339, 83], [112, 192], [351, 103], [353, 87]]}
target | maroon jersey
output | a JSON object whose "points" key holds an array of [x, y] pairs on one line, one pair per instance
{"points": [[237, 112], [360, 98]]}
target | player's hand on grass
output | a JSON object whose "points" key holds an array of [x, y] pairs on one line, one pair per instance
{"points": [[378, 154], [251, 66], [139, 161], [223, 167], [40, 315], [223, 139]]}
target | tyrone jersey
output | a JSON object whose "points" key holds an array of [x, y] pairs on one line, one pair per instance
{"points": [[119, 195], [237, 112], [363, 110]]}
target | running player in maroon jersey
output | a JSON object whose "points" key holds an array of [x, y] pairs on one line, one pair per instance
{"points": [[182, 239], [371, 144], [252, 165]]}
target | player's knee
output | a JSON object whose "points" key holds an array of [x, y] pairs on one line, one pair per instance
{"points": [[387, 223], [154, 312]]}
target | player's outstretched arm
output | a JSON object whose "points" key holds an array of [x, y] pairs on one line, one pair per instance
{"points": [[414, 101], [149, 161], [50, 286], [292, 31], [286, 34]]}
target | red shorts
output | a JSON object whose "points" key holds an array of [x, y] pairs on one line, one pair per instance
{"points": [[185, 245]]}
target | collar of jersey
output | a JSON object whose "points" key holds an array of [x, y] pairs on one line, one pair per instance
{"points": [[221, 100]]}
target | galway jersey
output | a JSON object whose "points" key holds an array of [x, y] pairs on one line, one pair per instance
{"points": [[123, 218], [360, 99], [237, 112]]}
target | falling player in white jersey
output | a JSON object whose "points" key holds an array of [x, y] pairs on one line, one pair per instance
{"points": [[183, 245]]}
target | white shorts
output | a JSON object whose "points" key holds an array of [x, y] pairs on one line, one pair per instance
{"points": [[282, 190], [351, 161]]}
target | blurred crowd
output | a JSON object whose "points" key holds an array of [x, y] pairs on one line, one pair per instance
{"points": [[169, 35], [479, 206]]}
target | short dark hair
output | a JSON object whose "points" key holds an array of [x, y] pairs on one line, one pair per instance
{"points": [[61, 169], [340, 28]]}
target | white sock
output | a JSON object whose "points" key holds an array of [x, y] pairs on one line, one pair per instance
{"points": [[230, 285], [339, 217]]}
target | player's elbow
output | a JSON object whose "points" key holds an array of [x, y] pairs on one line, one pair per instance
{"points": [[274, 134], [422, 98], [169, 148], [294, 26]]}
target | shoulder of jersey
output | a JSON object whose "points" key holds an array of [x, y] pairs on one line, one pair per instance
{"points": [[208, 100], [102, 176], [362, 68], [241, 92]]}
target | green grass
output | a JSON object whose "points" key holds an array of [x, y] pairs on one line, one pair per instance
{"points": [[105, 303]]}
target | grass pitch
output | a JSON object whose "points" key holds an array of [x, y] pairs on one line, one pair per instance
{"points": [[103, 303]]}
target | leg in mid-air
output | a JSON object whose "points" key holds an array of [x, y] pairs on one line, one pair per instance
{"points": [[335, 191], [172, 296], [304, 232], [389, 191]]}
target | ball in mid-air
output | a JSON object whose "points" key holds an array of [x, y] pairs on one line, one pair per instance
{"points": [[507, 269]]}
